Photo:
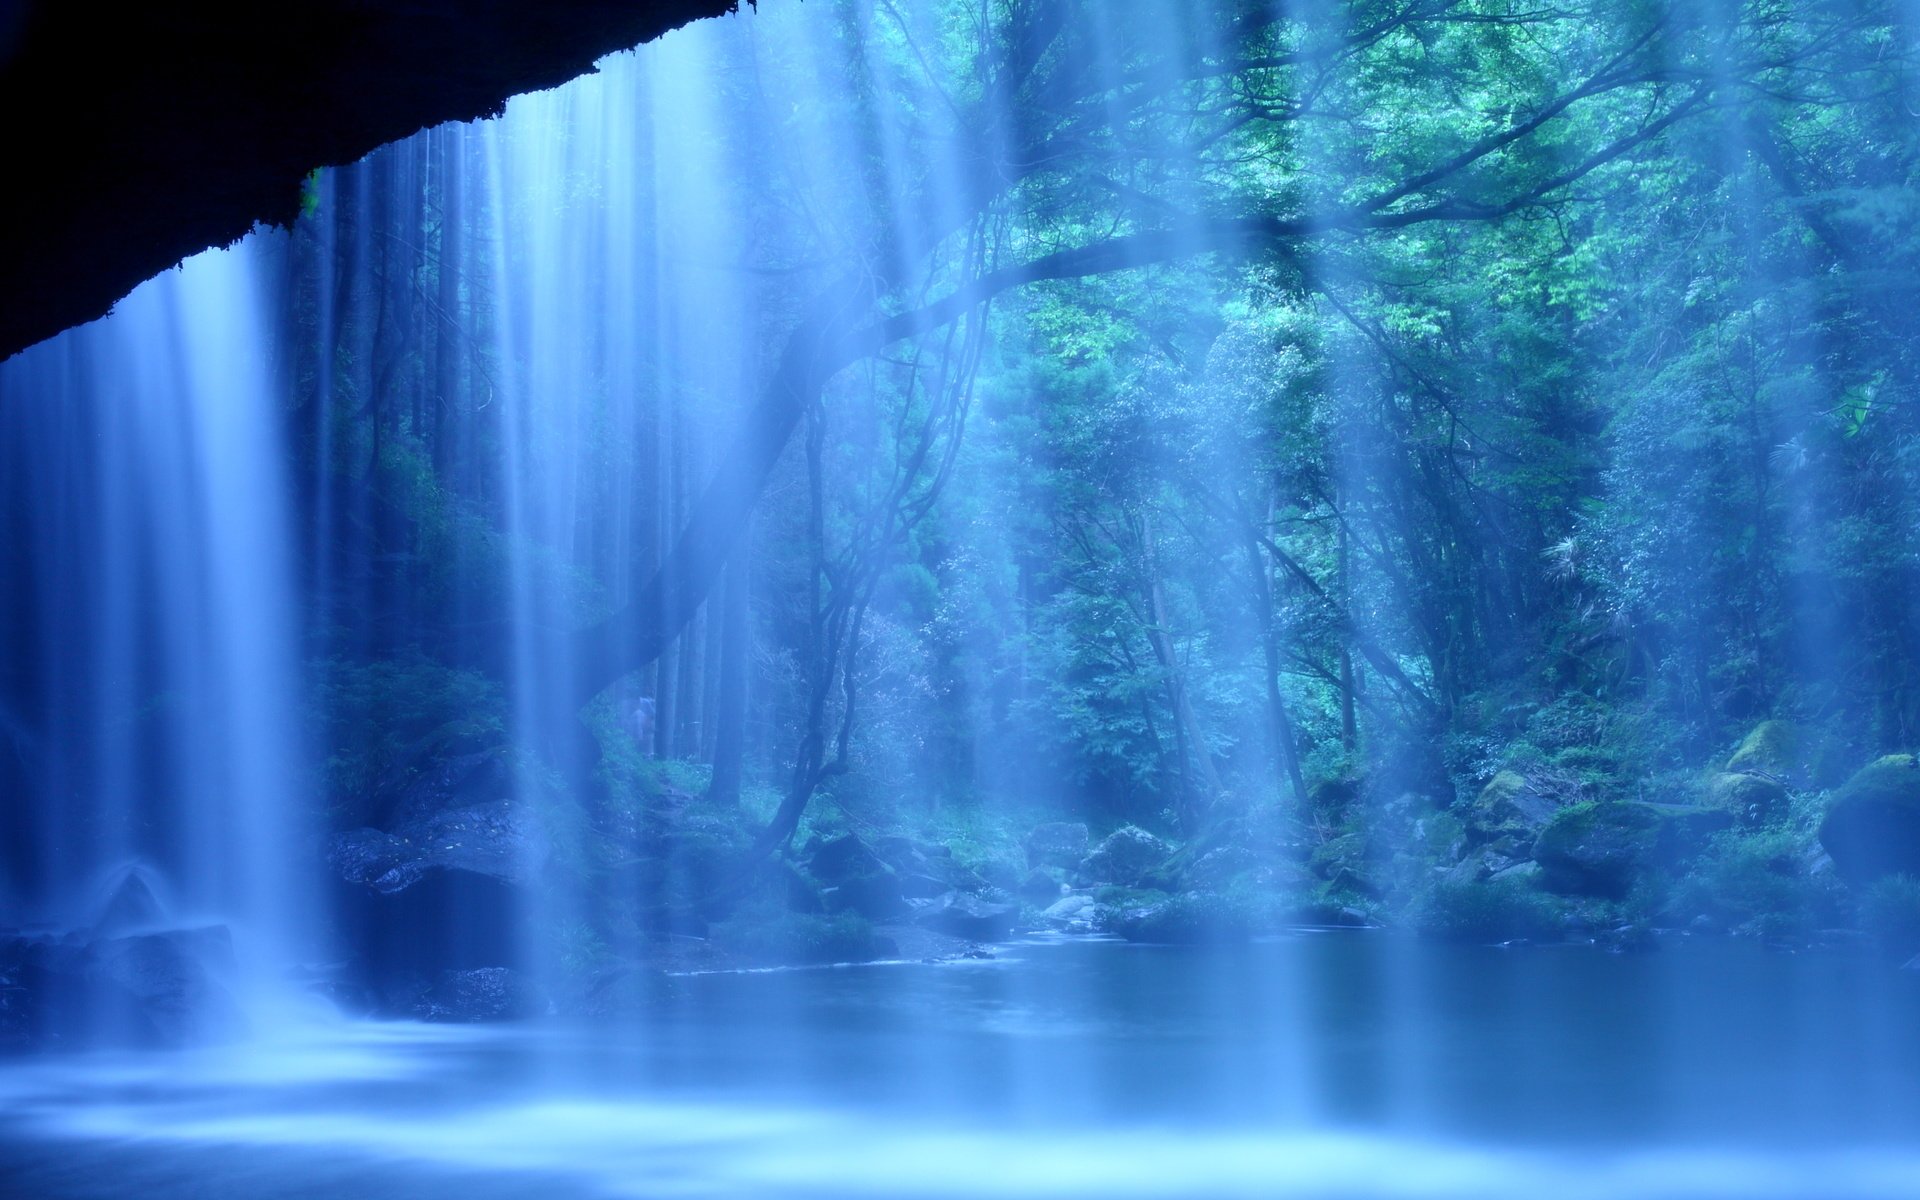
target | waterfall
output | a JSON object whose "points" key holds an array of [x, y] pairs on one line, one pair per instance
{"points": [[144, 463]]}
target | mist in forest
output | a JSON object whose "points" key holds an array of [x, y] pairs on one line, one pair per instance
{"points": [[1001, 597]]}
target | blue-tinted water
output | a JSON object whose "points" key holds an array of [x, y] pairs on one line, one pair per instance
{"points": [[1331, 1064]]}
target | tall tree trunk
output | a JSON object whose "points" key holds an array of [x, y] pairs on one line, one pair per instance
{"points": [[1188, 737], [1349, 685], [730, 733], [1286, 754]]}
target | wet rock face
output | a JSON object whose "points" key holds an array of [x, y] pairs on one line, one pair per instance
{"points": [[1125, 857], [156, 989], [445, 920], [484, 839], [438, 888], [482, 994], [1872, 825], [130, 906]]}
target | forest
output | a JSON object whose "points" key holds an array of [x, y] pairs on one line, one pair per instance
{"points": [[1397, 461], [876, 482]]}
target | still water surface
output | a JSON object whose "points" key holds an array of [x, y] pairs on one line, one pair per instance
{"points": [[1321, 1064]]}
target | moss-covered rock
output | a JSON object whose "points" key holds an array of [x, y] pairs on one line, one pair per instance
{"points": [[854, 879], [1872, 824], [1687, 831], [1753, 799], [1773, 748], [1056, 844], [1509, 807], [1598, 849], [967, 916], [1191, 918], [1126, 856]]}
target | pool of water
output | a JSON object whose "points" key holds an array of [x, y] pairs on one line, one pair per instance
{"points": [[1321, 1064]]}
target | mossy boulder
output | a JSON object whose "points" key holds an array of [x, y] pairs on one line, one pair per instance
{"points": [[1773, 748], [1598, 849], [1191, 918], [1753, 799], [1126, 856], [1510, 807], [1056, 844], [854, 879], [1872, 826], [967, 916]]}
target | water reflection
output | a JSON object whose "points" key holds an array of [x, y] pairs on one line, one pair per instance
{"points": [[1338, 1064]]}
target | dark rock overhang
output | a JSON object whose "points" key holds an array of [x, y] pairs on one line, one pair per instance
{"points": [[142, 134]]}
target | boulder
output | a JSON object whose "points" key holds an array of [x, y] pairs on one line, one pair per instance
{"points": [[1598, 849], [491, 838], [157, 989], [1220, 865], [1191, 918], [1042, 885], [854, 879], [480, 995], [454, 766], [876, 897], [1517, 873], [130, 906], [1872, 824], [967, 916], [1326, 913], [925, 870], [1687, 830], [1075, 912], [446, 920], [1509, 809], [1126, 857], [832, 860], [1750, 799], [1773, 748], [1056, 844]]}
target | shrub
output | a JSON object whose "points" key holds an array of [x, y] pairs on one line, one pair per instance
{"points": [[1890, 910], [794, 939], [1496, 910], [1755, 882]]}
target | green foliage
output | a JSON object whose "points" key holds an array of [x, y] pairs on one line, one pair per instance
{"points": [[1191, 918], [780, 938], [1757, 883], [378, 716], [310, 194], [1890, 910], [1531, 499], [1496, 910]]}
